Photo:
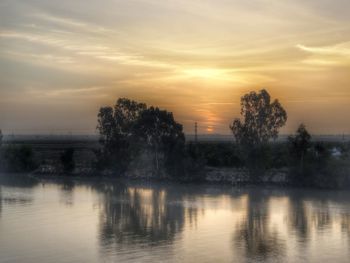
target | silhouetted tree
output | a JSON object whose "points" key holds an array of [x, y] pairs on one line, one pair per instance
{"points": [[261, 122], [115, 126], [261, 119], [300, 144], [19, 158], [131, 128], [163, 136], [67, 160]]}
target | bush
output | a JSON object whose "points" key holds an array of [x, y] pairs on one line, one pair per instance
{"points": [[18, 158], [217, 154], [67, 160]]}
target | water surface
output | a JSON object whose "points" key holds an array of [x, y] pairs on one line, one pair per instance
{"points": [[81, 221]]}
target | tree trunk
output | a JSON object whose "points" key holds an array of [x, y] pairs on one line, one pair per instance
{"points": [[156, 160], [302, 162]]}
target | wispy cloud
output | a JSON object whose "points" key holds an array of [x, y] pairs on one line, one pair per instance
{"points": [[342, 49], [72, 23], [326, 56], [187, 55]]}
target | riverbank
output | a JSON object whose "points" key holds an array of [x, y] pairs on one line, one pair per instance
{"points": [[214, 163], [210, 176]]}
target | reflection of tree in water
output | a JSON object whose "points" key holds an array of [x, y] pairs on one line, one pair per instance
{"points": [[297, 216], [254, 234], [66, 194], [345, 224], [322, 219], [19, 197], [311, 209], [0, 200], [138, 215]]}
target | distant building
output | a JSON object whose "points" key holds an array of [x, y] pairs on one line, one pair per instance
{"points": [[336, 152]]}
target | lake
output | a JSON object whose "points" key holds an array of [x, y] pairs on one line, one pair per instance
{"points": [[118, 221]]}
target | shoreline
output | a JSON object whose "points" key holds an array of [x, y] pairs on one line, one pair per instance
{"points": [[59, 178]]}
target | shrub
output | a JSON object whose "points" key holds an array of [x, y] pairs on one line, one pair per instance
{"points": [[67, 160], [18, 158]]}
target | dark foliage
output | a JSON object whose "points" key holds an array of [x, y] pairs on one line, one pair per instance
{"points": [[220, 154], [116, 128], [131, 128], [300, 144], [261, 123], [261, 119], [67, 160], [163, 137], [18, 158], [311, 163]]}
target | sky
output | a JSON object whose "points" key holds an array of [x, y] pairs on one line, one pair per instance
{"points": [[60, 61]]}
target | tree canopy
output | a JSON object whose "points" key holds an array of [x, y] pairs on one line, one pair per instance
{"points": [[131, 127], [301, 142], [261, 119], [116, 127], [161, 134]]}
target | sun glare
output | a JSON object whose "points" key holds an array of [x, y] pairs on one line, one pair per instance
{"points": [[206, 73], [210, 129]]}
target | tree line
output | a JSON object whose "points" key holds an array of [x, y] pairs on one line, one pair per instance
{"points": [[134, 136], [131, 129]]}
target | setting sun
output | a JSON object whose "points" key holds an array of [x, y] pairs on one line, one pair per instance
{"points": [[174, 131], [185, 56]]}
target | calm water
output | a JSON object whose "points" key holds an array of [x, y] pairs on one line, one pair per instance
{"points": [[69, 221]]}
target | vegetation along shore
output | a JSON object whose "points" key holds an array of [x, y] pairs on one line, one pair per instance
{"points": [[140, 141]]}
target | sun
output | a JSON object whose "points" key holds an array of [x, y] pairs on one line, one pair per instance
{"points": [[210, 129], [206, 73]]}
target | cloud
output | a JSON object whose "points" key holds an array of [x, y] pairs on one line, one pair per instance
{"points": [[70, 23], [327, 56], [182, 54], [339, 49]]}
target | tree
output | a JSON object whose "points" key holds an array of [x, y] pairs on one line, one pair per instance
{"points": [[261, 119], [67, 160], [163, 136], [115, 126], [261, 122], [300, 144], [19, 158]]}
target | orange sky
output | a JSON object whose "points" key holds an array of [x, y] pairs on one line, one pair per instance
{"points": [[61, 60]]}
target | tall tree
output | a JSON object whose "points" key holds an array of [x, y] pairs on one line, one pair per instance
{"points": [[261, 122], [163, 136], [261, 119], [130, 127], [300, 144], [115, 126]]}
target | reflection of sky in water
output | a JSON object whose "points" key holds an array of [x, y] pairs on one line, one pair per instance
{"points": [[83, 222]]}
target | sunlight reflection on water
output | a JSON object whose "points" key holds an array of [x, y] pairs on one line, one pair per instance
{"points": [[72, 221]]}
